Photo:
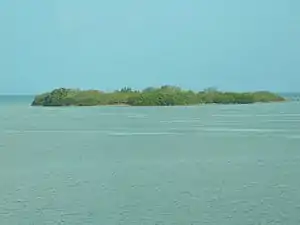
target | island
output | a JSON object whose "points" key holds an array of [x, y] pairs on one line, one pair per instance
{"points": [[166, 95]]}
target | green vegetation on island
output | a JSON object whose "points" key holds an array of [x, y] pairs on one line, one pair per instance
{"points": [[162, 96]]}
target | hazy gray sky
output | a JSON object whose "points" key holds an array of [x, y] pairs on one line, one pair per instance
{"points": [[229, 44]]}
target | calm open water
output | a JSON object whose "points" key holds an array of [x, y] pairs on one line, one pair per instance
{"points": [[227, 165]]}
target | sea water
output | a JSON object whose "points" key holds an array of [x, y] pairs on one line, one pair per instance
{"points": [[210, 164]]}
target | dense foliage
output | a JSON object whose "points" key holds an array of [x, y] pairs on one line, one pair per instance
{"points": [[163, 96]]}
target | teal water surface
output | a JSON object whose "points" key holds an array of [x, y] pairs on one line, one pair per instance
{"points": [[227, 165]]}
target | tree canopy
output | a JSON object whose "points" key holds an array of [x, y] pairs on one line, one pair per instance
{"points": [[163, 96]]}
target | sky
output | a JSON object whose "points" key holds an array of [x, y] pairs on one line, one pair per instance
{"points": [[92, 44]]}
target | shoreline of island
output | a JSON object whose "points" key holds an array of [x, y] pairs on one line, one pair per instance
{"points": [[153, 96]]}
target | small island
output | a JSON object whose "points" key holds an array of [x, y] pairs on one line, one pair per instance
{"points": [[162, 96]]}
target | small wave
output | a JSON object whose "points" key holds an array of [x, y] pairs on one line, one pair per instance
{"points": [[180, 121], [52, 131], [283, 120], [141, 133], [227, 121], [137, 116], [293, 136], [256, 115], [251, 130], [279, 115], [232, 115]]}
